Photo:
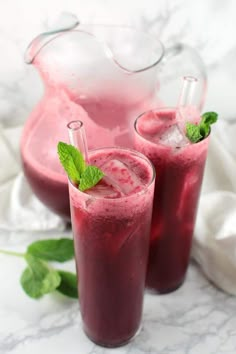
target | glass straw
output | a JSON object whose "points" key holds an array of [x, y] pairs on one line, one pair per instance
{"points": [[187, 95], [78, 138]]}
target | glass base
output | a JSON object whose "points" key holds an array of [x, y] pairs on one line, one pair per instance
{"points": [[114, 345], [164, 291]]}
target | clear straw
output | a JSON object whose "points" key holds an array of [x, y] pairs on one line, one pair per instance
{"points": [[78, 138], [188, 92]]}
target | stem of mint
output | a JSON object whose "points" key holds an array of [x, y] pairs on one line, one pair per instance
{"points": [[12, 253]]}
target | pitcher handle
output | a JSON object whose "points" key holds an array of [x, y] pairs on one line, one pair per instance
{"points": [[194, 68]]}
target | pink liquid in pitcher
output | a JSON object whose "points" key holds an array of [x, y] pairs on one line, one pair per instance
{"points": [[107, 123], [179, 168], [111, 226]]}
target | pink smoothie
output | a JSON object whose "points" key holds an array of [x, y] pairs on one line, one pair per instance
{"points": [[111, 227], [179, 168]]}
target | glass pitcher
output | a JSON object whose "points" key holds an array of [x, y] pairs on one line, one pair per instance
{"points": [[103, 75]]}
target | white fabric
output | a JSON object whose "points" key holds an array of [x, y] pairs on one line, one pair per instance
{"points": [[19, 209], [214, 246]]}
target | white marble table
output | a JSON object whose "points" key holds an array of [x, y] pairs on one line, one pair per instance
{"points": [[195, 319]]}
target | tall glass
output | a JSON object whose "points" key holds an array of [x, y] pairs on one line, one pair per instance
{"points": [[111, 228], [179, 166]]}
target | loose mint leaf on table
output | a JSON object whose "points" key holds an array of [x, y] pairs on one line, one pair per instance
{"points": [[86, 176], [72, 161], [60, 250], [198, 132], [68, 285], [39, 279], [90, 177]]}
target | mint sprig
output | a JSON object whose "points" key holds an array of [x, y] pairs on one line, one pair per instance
{"points": [[39, 277], [85, 176], [198, 132]]}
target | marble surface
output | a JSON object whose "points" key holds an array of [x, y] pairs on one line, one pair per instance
{"points": [[197, 318]]}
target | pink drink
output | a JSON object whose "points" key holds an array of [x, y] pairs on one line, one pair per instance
{"points": [[107, 123], [111, 227], [179, 168]]}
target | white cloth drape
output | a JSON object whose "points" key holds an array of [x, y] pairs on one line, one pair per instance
{"points": [[19, 208], [214, 245]]}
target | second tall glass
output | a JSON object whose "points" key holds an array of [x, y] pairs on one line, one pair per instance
{"points": [[179, 168]]}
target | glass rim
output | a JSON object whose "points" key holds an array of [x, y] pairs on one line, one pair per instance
{"points": [[162, 109], [133, 151]]}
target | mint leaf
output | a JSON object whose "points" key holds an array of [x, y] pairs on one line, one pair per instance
{"points": [[72, 161], [68, 285], [209, 118], [59, 250], [90, 177], [38, 279], [196, 133], [204, 129], [193, 132]]}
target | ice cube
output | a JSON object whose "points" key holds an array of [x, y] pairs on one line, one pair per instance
{"points": [[121, 177], [105, 189], [174, 137]]}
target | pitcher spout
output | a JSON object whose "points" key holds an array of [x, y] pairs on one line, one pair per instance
{"points": [[65, 22], [130, 50]]}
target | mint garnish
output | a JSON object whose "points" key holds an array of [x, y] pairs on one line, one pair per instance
{"points": [[90, 177], [40, 278], [72, 161], [198, 132], [193, 132], [86, 176]]}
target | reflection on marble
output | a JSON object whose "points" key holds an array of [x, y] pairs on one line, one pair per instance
{"points": [[195, 319]]}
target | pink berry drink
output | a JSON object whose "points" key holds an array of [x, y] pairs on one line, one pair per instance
{"points": [[111, 228], [179, 166]]}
